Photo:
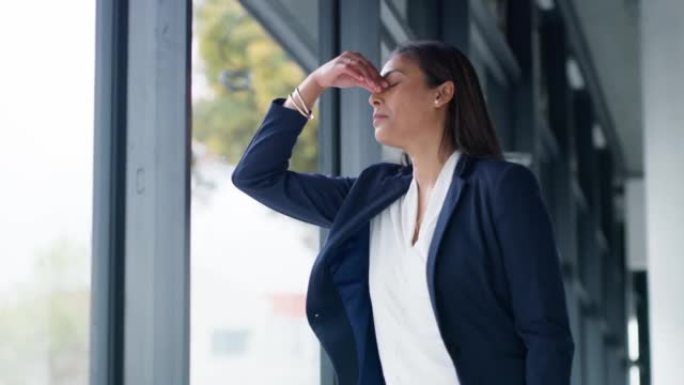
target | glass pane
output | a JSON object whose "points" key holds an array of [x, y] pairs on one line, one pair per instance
{"points": [[248, 322], [46, 127]]}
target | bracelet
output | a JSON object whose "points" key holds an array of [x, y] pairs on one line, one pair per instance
{"points": [[301, 99], [298, 107], [307, 112]]}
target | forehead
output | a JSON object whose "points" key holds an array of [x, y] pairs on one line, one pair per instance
{"points": [[396, 63]]}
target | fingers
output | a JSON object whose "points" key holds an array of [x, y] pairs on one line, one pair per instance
{"points": [[371, 75], [354, 71], [359, 73]]}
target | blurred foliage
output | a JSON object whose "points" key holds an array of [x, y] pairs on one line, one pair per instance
{"points": [[44, 326], [245, 69]]}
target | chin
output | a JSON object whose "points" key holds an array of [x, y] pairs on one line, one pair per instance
{"points": [[382, 137]]}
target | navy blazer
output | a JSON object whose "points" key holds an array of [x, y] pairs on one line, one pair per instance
{"points": [[492, 270]]}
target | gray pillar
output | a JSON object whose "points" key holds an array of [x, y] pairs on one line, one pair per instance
{"points": [[359, 31], [157, 195], [662, 54]]}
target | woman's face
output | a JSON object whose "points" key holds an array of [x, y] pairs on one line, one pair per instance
{"points": [[407, 113]]}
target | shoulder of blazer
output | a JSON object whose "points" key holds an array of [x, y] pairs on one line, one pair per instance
{"points": [[377, 173], [385, 169], [489, 170], [474, 168]]}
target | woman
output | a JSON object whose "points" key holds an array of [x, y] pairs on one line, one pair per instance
{"points": [[439, 270]]}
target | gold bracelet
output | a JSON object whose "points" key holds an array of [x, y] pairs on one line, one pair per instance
{"points": [[309, 112], [301, 99], [299, 108]]}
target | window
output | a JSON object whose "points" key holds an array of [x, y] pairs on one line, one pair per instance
{"points": [[248, 321], [46, 167]]}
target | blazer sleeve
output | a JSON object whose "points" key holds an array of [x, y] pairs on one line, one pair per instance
{"points": [[531, 263], [262, 172]]}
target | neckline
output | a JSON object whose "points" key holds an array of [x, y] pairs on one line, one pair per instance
{"points": [[429, 215]]}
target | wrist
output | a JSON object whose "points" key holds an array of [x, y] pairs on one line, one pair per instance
{"points": [[312, 80]]}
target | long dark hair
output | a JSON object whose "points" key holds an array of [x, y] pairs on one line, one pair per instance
{"points": [[469, 128]]}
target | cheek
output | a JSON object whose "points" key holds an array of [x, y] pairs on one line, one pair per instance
{"points": [[409, 112]]}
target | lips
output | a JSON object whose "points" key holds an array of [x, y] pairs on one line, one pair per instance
{"points": [[377, 118]]}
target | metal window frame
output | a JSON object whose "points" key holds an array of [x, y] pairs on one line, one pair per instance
{"points": [[158, 194], [328, 130], [109, 193], [141, 195]]}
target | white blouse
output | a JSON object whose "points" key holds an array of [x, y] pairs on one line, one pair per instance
{"points": [[409, 344]]}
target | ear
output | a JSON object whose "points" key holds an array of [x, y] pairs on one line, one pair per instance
{"points": [[445, 92]]}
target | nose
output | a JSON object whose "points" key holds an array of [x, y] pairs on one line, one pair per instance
{"points": [[374, 98]]}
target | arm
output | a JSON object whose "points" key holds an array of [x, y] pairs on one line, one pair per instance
{"points": [[262, 172], [531, 262]]}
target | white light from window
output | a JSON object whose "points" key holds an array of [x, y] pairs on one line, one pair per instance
{"points": [[546, 4], [574, 74], [598, 137], [634, 375], [633, 336]]}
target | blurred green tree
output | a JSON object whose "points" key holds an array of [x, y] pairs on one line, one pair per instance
{"points": [[245, 69]]}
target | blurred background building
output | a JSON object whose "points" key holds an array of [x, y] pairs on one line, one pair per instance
{"points": [[128, 257]]}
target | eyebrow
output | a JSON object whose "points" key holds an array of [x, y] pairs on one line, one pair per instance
{"points": [[394, 70]]}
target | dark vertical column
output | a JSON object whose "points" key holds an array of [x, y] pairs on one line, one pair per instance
{"points": [[519, 35], [591, 273], [641, 295], [587, 173], [605, 195], [109, 194], [554, 58], [455, 23], [621, 289], [555, 110], [609, 228], [329, 126], [421, 18], [499, 99]]}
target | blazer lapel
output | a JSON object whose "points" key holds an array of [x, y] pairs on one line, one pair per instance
{"points": [[379, 197], [454, 194], [383, 194]]}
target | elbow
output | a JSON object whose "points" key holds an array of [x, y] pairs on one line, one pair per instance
{"points": [[251, 180], [240, 180], [235, 178]]}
